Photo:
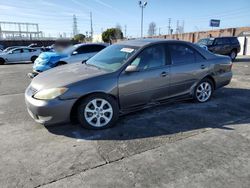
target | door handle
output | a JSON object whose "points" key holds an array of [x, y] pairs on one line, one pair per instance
{"points": [[203, 66], [164, 74]]}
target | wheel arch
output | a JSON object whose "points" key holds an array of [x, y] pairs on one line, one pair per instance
{"points": [[73, 112], [34, 56], [2, 60], [62, 62], [212, 79]]}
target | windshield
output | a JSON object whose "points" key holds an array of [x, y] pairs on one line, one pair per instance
{"points": [[206, 41], [8, 49], [112, 57]]}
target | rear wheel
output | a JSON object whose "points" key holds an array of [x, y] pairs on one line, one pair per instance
{"points": [[2, 61], [233, 55], [204, 90], [98, 111], [33, 58]]}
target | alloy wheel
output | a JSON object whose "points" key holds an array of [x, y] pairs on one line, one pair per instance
{"points": [[203, 91], [98, 112], [233, 55]]}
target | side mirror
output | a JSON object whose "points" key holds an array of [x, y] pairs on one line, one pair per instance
{"points": [[131, 68], [74, 53]]}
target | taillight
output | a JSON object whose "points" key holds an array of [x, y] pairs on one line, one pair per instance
{"points": [[230, 66]]}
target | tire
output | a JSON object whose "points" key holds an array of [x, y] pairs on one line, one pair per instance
{"points": [[204, 90], [92, 115], [2, 61], [33, 58], [60, 63], [233, 55]]}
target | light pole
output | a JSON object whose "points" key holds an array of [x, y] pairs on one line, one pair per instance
{"points": [[142, 5]]}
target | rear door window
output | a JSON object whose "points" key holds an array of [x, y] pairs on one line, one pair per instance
{"points": [[219, 41], [182, 54], [226, 41], [17, 51], [26, 50]]}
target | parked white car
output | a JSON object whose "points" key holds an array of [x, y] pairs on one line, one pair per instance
{"points": [[19, 54]]}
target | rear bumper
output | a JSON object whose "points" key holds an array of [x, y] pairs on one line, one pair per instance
{"points": [[223, 79], [49, 112]]}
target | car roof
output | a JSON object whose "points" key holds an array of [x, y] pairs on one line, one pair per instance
{"points": [[140, 43], [89, 44], [21, 47], [148, 41]]}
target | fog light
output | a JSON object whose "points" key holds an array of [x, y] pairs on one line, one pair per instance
{"points": [[44, 119]]}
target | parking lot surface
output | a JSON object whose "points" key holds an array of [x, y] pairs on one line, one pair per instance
{"points": [[182, 144]]}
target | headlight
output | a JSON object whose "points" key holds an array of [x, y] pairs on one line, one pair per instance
{"points": [[48, 94]]}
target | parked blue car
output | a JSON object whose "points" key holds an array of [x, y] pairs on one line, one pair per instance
{"points": [[73, 54]]}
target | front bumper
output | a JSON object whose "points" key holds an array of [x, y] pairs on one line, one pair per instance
{"points": [[49, 112]]}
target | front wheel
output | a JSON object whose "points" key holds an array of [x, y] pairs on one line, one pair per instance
{"points": [[2, 62], [60, 63], [98, 111], [33, 58], [204, 90]]}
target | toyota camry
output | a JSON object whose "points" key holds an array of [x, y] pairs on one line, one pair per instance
{"points": [[125, 77]]}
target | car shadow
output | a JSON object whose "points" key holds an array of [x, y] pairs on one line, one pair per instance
{"points": [[228, 106], [242, 60], [18, 63]]}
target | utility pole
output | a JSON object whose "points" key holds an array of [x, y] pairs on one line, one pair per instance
{"points": [[125, 31], [142, 6], [159, 31], [177, 27], [183, 24], [169, 26], [91, 26], [75, 30]]}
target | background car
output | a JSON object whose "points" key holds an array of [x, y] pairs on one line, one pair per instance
{"points": [[1, 47], [18, 54], [222, 45], [73, 54], [125, 77]]}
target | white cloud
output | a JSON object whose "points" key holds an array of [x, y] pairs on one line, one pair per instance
{"points": [[6, 7], [104, 4]]}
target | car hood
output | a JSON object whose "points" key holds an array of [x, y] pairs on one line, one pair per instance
{"points": [[3, 53], [65, 75]]}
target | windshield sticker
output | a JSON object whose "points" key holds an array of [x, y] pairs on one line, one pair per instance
{"points": [[127, 50]]}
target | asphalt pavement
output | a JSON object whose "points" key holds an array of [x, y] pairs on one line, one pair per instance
{"points": [[182, 144]]}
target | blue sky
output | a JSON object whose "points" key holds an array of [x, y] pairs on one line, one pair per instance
{"points": [[56, 16]]}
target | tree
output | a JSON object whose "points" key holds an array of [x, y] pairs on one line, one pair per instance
{"points": [[112, 34], [152, 29], [79, 38]]}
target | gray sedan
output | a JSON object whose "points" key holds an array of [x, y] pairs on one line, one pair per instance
{"points": [[125, 77]]}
